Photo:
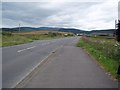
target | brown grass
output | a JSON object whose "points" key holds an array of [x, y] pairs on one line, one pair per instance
{"points": [[33, 32], [39, 32]]}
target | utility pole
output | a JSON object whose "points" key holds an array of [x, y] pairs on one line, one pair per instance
{"points": [[116, 24], [116, 27], [19, 27]]}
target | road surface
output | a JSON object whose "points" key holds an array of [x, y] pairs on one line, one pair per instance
{"points": [[18, 61], [71, 67]]}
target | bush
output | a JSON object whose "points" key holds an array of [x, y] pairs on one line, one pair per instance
{"points": [[51, 34], [7, 33]]}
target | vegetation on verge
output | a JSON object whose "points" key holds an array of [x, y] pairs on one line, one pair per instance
{"points": [[9, 39], [105, 50]]}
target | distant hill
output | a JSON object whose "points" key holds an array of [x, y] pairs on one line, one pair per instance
{"points": [[27, 29], [71, 30], [76, 31], [98, 32]]}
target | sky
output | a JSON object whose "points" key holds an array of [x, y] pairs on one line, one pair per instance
{"points": [[78, 14]]}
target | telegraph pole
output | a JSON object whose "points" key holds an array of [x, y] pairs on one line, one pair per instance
{"points": [[19, 27], [115, 24]]}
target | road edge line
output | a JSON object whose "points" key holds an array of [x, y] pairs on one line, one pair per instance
{"points": [[34, 71]]}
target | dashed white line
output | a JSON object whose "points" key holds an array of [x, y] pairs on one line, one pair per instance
{"points": [[31, 47], [26, 49], [21, 50]]}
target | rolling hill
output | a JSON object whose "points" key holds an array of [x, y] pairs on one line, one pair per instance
{"points": [[75, 31]]}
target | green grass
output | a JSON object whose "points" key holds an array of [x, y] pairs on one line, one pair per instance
{"points": [[105, 51], [14, 40], [10, 39]]}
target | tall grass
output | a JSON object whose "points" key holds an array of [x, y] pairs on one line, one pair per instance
{"points": [[106, 52], [14, 40]]}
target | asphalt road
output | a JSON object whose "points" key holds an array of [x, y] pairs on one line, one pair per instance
{"points": [[71, 67], [18, 61]]}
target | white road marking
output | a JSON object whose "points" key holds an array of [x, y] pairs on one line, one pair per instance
{"points": [[26, 49], [31, 47], [21, 50]]}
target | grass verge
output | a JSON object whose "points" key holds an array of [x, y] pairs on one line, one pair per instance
{"points": [[105, 51], [10, 39]]}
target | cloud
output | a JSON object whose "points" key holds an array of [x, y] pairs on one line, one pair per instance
{"points": [[60, 13], [58, 0]]}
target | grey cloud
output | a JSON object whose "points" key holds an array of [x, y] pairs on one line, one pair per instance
{"points": [[119, 10], [24, 12], [64, 14]]}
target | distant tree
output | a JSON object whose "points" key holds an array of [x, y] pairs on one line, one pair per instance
{"points": [[7, 33]]}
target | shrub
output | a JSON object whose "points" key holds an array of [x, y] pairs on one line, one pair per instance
{"points": [[7, 33], [52, 34]]}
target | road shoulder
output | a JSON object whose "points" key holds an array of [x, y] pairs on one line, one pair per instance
{"points": [[70, 67]]}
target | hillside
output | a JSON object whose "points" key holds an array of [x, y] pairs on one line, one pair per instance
{"points": [[75, 31], [28, 29], [96, 32], [71, 30]]}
